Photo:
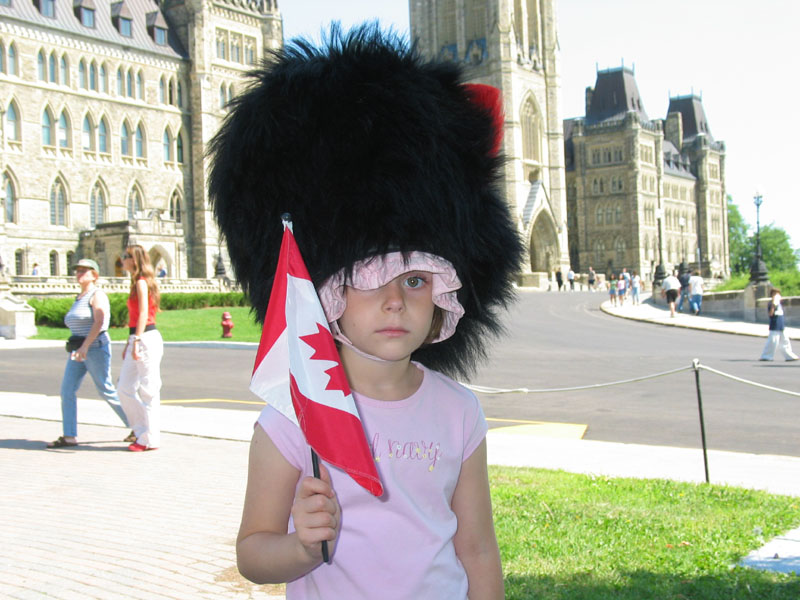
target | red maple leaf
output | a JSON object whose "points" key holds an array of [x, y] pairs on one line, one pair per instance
{"points": [[325, 349]]}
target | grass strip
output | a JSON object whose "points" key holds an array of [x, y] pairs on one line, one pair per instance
{"points": [[578, 537]]}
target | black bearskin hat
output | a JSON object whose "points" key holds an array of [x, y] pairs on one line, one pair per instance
{"points": [[371, 150]]}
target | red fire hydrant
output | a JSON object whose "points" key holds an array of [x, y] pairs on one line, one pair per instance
{"points": [[227, 325]]}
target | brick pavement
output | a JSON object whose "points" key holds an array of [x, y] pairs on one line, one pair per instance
{"points": [[100, 522]]}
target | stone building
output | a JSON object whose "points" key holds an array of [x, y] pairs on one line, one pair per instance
{"points": [[105, 112], [644, 192], [512, 45]]}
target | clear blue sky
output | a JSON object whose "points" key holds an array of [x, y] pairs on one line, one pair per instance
{"points": [[739, 54]]}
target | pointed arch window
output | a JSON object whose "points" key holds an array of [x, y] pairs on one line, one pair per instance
{"points": [[54, 263], [180, 93], [82, 74], [10, 200], [179, 148], [103, 79], [531, 132], [222, 97], [134, 203], [599, 215], [120, 83], [139, 86], [619, 251], [162, 92], [58, 204], [125, 140], [167, 143], [41, 66], [11, 66], [175, 207], [97, 205], [64, 73], [51, 68], [63, 130], [139, 142], [93, 77], [87, 134], [12, 123], [47, 128], [102, 137], [171, 91], [129, 83]]}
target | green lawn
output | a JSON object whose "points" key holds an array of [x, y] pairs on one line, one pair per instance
{"points": [[577, 537], [182, 325]]}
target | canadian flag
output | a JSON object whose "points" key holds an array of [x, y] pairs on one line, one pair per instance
{"points": [[298, 371]]}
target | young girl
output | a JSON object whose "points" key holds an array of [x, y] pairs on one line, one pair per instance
{"points": [[139, 384], [388, 166]]}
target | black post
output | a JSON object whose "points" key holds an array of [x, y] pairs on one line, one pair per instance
{"points": [[315, 466], [696, 367], [758, 269]]}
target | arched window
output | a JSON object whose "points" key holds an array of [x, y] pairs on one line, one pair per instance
{"points": [[162, 92], [93, 77], [97, 205], [54, 263], [531, 131], [103, 79], [619, 251], [609, 215], [64, 78], [180, 94], [230, 93], [82, 74], [19, 262], [63, 130], [139, 86], [175, 207], [172, 91], [87, 134], [41, 66], [51, 68], [129, 82], [47, 128], [618, 214], [179, 148], [125, 140], [134, 203], [599, 215], [11, 67], [58, 204], [222, 97], [120, 83], [2, 57], [139, 142], [167, 142], [70, 260], [599, 252], [12, 123], [10, 200], [102, 136]]}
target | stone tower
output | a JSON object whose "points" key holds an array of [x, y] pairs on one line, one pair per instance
{"points": [[223, 40], [512, 45]]}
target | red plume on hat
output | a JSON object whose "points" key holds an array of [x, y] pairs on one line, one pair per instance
{"points": [[372, 149]]}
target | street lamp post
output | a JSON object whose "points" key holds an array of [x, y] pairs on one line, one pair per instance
{"points": [[758, 269], [661, 272], [683, 266]]}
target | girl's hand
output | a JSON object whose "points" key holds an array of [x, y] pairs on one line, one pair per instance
{"points": [[316, 513], [137, 355]]}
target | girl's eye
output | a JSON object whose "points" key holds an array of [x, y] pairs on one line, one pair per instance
{"points": [[415, 281]]}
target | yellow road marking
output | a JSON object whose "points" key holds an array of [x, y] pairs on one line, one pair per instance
{"points": [[573, 431]]}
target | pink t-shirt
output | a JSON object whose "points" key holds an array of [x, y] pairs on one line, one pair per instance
{"points": [[400, 545]]}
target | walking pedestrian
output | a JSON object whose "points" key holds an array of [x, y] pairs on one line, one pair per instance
{"points": [[612, 289], [696, 292], [89, 350], [559, 278], [139, 384], [670, 288], [636, 287], [777, 337], [592, 279], [683, 278]]}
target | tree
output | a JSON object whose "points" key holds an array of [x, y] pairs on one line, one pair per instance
{"points": [[776, 248], [738, 244]]}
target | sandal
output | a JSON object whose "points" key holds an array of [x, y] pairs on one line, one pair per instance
{"points": [[61, 442], [131, 437]]}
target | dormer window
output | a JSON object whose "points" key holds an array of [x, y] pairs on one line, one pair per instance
{"points": [[157, 27], [46, 7], [84, 11], [122, 19]]}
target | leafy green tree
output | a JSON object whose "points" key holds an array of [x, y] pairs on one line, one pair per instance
{"points": [[776, 249], [738, 242]]}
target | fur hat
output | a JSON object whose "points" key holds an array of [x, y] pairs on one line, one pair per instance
{"points": [[371, 150]]}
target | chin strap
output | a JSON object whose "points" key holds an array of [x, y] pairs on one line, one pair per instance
{"points": [[340, 337]]}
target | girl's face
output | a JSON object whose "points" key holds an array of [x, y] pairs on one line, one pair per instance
{"points": [[392, 321], [127, 261]]}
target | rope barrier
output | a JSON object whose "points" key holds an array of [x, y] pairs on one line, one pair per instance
{"points": [[481, 389]]}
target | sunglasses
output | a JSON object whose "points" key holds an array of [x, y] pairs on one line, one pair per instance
{"points": [[126, 255]]}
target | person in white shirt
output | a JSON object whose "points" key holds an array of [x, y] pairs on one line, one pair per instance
{"points": [[695, 292], [669, 289]]}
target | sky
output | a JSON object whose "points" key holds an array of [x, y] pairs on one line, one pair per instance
{"points": [[738, 55]]}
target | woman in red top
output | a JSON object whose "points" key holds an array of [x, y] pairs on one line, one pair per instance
{"points": [[139, 385]]}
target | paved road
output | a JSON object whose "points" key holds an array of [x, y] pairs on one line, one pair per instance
{"points": [[556, 340]]}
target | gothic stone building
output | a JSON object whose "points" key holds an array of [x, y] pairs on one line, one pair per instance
{"points": [[644, 192], [105, 112], [512, 45]]}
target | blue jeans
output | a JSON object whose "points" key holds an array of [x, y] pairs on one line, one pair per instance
{"points": [[684, 296], [696, 301], [98, 364]]}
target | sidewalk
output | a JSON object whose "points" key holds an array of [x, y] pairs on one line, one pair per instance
{"points": [[90, 521]]}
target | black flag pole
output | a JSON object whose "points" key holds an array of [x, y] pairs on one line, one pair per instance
{"points": [[315, 465]]}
